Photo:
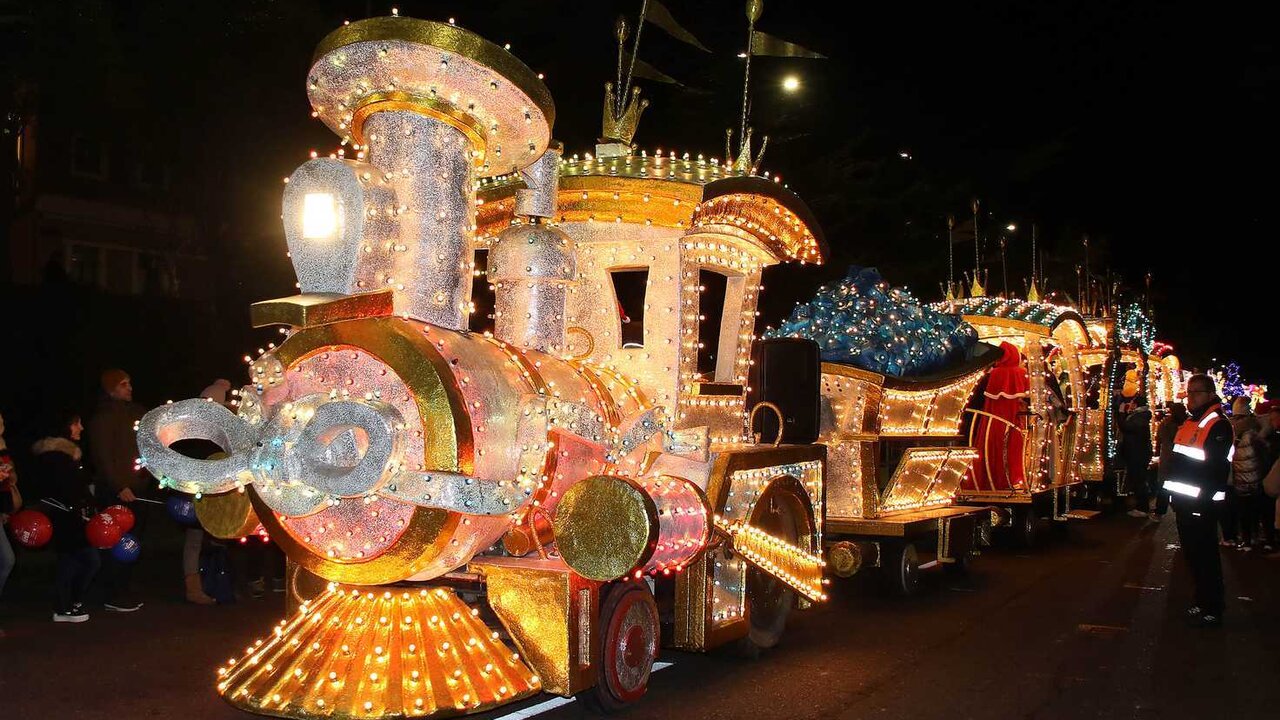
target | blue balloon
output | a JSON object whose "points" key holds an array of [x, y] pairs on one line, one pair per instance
{"points": [[182, 509], [127, 550]]}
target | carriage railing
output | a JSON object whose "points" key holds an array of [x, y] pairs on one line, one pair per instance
{"points": [[1006, 428]]}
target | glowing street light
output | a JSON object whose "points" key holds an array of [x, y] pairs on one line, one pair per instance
{"points": [[791, 83], [1010, 227]]}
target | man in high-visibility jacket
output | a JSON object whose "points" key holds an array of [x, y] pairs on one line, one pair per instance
{"points": [[1196, 480]]}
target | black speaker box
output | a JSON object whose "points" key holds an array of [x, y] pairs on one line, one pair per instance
{"points": [[788, 373]]}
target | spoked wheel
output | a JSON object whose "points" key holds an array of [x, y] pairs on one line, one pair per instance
{"points": [[628, 647], [769, 600], [902, 569]]}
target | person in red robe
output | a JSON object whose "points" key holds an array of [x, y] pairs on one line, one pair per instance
{"points": [[1000, 462]]}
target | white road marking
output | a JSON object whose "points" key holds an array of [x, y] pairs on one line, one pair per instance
{"points": [[555, 702]]}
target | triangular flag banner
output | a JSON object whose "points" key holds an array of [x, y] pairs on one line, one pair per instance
{"points": [[766, 44], [649, 72], [659, 15]]}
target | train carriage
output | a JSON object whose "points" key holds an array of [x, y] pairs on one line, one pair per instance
{"points": [[1055, 434]]}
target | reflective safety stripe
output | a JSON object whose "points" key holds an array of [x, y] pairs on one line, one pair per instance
{"points": [[1219, 496], [1231, 453], [1182, 488], [1208, 419], [1190, 451]]}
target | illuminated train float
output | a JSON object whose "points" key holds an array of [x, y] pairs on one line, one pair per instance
{"points": [[591, 488]]}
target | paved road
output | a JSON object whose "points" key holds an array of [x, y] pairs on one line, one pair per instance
{"points": [[1086, 626]]}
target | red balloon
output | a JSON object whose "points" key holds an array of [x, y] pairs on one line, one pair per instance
{"points": [[122, 515], [31, 528], [102, 531]]}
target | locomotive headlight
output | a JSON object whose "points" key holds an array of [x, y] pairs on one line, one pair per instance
{"points": [[328, 217], [319, 216]]}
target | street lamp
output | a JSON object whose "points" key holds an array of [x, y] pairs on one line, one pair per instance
{"points": [[791, 83]]}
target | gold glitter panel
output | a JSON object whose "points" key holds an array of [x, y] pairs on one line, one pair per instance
{"points": [[605, 527], [312, 309], [543, 604], [226, 516]]}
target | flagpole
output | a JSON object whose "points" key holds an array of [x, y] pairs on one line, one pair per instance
{"points": [[1033, 253], [951, 264], [620, 32], [977, 258], [635, 52], [754, 9]]}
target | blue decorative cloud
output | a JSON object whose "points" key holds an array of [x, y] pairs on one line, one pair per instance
{"points": [[862, 321]]}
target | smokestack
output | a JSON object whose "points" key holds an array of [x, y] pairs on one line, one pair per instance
{"points": [[426, 108]]}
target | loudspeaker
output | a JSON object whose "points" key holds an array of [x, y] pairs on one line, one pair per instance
{"points": [[788, 373]]}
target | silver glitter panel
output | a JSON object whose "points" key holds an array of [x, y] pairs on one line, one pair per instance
{"points": [[458, 492], [327, 452], [530, 314], [539, 251], [593, 304], [543, 180], [190, 419], [579, 419], [428, 164], [530, 266], [636, 431], [515, 130]]}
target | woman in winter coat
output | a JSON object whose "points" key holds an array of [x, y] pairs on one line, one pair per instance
{"points": [[58, 469], [1247, 469]]}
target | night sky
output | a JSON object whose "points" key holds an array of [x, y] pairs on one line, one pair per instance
{"points": [[1141, 124]]}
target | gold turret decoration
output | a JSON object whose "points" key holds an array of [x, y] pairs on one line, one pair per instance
{"points": [[744, 163], [621, 120], [622, 103]]}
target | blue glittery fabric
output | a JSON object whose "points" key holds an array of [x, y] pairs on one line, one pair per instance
{"points": [[863, 322]]}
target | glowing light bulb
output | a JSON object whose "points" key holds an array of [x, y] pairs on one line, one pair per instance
{"points": [[319, 216]]}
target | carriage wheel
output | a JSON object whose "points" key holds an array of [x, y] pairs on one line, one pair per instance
{"points": [[902, 569], [628, 647], [770, 600]]}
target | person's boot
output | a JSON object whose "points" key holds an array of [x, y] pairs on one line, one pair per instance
{"points": [[195, 593]]}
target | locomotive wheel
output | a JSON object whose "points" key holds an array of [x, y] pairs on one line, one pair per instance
{"points": [[901, 569], [769, 600], [628, 647]]}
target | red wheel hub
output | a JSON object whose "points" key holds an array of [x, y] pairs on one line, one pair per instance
{"points": [[630, 646], [633, 650]]}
